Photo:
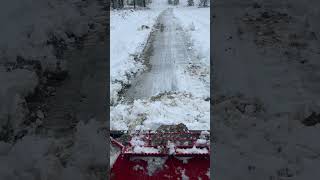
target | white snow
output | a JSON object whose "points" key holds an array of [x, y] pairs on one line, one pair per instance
{"points": [[194, 150], [138, 146], [201, 142], [167, 110], [127, 39], [190, 77], [140, 149], [114, 154], [138, 167], [172, 149], [196, 22], [136, 141]]}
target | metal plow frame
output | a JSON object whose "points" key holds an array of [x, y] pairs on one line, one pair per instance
{"points": [[134, 166]]}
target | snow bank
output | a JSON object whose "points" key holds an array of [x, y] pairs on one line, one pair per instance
{"points": [[196, 22], [114, 154], [193, 150], [129, 32], [166, 109]]}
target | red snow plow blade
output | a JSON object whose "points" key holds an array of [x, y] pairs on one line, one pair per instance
{"points": [[165, 155]]}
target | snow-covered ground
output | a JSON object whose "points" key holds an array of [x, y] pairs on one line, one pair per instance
{"points": [[196, 23], [35, 157], [29, 25], [180, 52], [167, 109], [30, 37], [129, 32], [266, 61], [33, 35]]}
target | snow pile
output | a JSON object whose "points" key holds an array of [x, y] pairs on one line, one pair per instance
{"points": [[114, 154], [165, 109], [140, 149], [203, 138], [172, 149], [196, 22], [201, 141], [138, 167], [129, 32], [137, 145], [193, 150]]}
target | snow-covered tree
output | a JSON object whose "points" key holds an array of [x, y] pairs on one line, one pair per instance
{"points": [[175, 2]]}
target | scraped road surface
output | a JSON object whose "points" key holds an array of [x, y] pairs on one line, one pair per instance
{"points": [[169, 52]]}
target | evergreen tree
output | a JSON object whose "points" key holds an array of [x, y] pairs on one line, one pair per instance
{"points": [[190, 3]]}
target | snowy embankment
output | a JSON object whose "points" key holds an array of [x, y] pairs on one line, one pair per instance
{"points": [[189, 105], [196, 22], [164, 109], [129, 32]]}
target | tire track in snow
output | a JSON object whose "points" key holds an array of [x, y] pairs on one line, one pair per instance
{"points": [[168, 63]]}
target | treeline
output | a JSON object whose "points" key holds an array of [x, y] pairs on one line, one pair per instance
{"points": [[119, 4], [173, 2], [202, 3]]}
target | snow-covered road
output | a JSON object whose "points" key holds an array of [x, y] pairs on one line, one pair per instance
{"points": [[174, 86], [170, 55]]}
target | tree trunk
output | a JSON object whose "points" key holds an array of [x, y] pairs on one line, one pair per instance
{"points": [[144, 3], [134, 4], [122, 4], [113, 4]]}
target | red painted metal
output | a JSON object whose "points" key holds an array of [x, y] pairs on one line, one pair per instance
{"points": [[133, 166]]}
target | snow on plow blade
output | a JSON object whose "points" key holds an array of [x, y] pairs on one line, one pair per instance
{"points": [[165, 155]]}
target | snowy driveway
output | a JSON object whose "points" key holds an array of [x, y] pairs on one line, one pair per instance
{"points": [[170, 53], [174, 88]]}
